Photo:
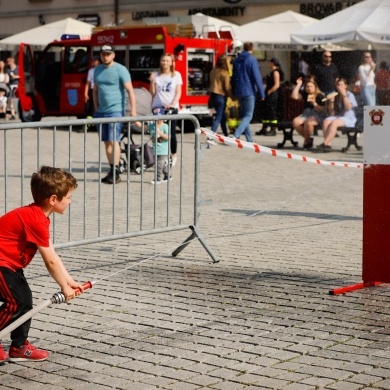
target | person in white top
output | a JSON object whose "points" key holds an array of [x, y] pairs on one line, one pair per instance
{"points": [[4, 79], [13, 76], [165, 87], [367, 79], [303, 67], [4, 90], [3, 103], [88, 92]]}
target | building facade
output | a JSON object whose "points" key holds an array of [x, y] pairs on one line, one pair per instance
{"points": [[21, 15]]}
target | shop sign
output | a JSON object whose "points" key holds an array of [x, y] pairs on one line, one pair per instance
{"points": [[218, 12], [322, 10], [90, 18], [148, 14]]}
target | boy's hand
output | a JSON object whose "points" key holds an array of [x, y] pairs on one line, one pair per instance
{"points": [[78, 287], [69, 293]]}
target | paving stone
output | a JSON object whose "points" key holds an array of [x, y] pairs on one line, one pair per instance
{"points": [[318, 382], [385, 384], [182, 386], [226, 385], [299, 386], [204, 380]]}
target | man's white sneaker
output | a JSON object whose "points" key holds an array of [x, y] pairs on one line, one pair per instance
{"points": [[156, 182]]}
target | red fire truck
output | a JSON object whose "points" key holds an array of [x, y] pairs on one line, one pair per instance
{"points": [[54, 85]]}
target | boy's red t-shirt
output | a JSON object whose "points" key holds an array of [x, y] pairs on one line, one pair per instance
{"points": [[21, 232]]}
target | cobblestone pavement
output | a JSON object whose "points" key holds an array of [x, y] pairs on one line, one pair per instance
{"points": [[286, 232]]}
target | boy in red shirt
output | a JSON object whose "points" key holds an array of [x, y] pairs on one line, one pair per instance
{"points": [[23, 231]]}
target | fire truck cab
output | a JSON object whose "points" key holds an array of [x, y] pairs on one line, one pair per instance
{"points": [[54, 85]]}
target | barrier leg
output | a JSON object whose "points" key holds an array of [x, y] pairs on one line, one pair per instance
{"points": [[194, 235]]}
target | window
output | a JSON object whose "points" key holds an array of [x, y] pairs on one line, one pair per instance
{"points": [[143, 61], [200, 64], [76, 59]]}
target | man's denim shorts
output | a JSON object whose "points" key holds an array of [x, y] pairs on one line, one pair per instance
{"points": [[109, 128]]}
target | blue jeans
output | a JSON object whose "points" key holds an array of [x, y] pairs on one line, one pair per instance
{"points": [[219, 102], [368, 95], [247, 106]]}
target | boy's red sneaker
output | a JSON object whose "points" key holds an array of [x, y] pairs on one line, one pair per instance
{"points": [[3, 355], [27, 352]]}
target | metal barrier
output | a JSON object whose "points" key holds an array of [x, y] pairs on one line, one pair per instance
{"points": [[101, 212]]}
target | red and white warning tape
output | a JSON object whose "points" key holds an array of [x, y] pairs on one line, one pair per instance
{"points": [[273, 152]]}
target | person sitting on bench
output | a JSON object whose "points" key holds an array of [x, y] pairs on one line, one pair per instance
{"points": [[314, 110], [342, 114]]}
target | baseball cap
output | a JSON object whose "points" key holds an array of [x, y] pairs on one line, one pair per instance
{"points": [[107, 49]]}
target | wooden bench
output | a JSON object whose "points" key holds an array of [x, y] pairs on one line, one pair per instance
{"points": [[292, 108], [288, 130], [352, 134]]}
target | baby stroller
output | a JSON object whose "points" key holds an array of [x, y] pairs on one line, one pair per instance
{"points": [[144, 102], [135, 154]]}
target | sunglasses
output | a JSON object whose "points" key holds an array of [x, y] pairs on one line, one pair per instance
{"points": [[327, 56]]}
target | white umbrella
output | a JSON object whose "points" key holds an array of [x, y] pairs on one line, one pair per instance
{"points": [[42, 35], [274, 32], [364, 25]]}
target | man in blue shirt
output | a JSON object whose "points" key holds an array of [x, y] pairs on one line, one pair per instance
{"points": [[247, 83], [111, 80]]}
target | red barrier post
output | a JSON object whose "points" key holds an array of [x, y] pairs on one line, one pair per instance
{"points": [[376, 200]]}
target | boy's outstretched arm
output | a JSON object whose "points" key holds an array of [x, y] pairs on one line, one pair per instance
{"points": [[59, 273]]}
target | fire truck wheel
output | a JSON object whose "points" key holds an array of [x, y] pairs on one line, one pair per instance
{"points": [[188, 127], [204, 121], [33, 115]]}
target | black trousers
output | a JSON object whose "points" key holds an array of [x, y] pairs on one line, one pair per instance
{"points": [[271, 107], [89, 106], [16, 296], [173, 133]]}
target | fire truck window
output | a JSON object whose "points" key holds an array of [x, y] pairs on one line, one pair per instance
{"points": [[144, 61], [76, 60], [199, 68], [120, 57]]}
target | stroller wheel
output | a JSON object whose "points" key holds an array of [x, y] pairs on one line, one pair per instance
{"points": [[122, 165], [137, 167]]}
